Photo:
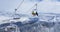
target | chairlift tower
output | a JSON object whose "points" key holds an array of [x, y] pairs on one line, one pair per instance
{"points": [[17, 9], [19, 6]]}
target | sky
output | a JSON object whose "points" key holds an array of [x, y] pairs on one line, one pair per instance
{"points": [[44, 6]]}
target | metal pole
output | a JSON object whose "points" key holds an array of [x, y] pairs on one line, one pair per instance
{"points": [[18, 7], [36, 6]]}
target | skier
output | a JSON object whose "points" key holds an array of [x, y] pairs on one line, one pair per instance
{"points": [[34, 13]]}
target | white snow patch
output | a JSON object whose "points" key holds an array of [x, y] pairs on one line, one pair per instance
{"points": [[22, 19]]}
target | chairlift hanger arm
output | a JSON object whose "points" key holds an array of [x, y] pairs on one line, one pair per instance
{"points": [[35, 5]]}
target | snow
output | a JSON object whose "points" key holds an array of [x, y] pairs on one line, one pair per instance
{"points": [[22, 19], [4, 19]]}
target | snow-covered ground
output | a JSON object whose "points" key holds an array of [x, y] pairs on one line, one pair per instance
{"points": [[4, 19]]}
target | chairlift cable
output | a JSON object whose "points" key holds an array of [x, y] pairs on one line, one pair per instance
{"points": [[34, 6], [19, 6]]}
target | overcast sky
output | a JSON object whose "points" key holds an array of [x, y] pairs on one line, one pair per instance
{"points": [[43, 6]]}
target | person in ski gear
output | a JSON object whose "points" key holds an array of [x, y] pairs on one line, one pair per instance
{"points": [[34, 13]]}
